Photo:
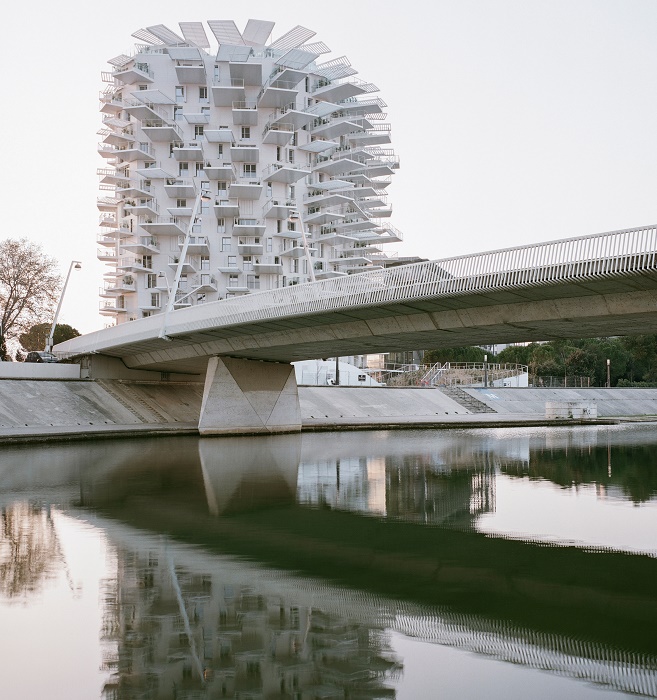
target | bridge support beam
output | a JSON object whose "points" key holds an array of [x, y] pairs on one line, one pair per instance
{"points": [[248, 397]]}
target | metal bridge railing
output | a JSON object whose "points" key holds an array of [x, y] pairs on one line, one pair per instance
{"points": [[569, 260]]}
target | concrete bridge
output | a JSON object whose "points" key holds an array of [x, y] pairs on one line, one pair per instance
{"points": [[598, 285]]}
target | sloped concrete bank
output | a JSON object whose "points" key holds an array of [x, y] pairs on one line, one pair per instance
{"points": [[32, 409]]}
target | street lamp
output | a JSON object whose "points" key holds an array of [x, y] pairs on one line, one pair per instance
{"points": [[608, 374], [293, 217], [485, 371], [204, 196], [75, 265]]}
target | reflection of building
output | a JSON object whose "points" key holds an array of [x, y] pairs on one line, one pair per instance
{"points": [[179, 633], [420, 488]]}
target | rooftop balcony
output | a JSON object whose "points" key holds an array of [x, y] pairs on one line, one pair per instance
{"points": [[245, 113], [226, 209], [191, 73], [277, 93], [189, 265], [142, 207], [137, 73], [245, 189], [196, 245], [278, 134], [145, 245], [178, 188], [163, 226], [249, 227], [160, 130], [189, 150], [278, 208], [270, 265], [225, 92], [244, 153], [219, 170], [287, 173]]}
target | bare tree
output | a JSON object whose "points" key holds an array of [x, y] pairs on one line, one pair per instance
{"points": [[29, 288]]}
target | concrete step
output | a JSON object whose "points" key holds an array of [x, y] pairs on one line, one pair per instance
{"points": [[467, 401]]}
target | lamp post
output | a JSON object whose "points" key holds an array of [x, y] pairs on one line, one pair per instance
{"points": [[485, 371], [77, 265], [293, 218], [203, 195], [608, 374]]}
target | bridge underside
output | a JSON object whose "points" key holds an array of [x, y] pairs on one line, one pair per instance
{"points": [[500, 317]]}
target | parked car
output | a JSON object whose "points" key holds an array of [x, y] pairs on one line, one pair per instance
{"points": [[40, 356]]}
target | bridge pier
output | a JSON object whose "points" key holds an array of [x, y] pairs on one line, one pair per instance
{"points": [[249, 396]]}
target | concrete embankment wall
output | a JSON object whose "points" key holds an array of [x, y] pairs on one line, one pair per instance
{"points": [[611, 403]]}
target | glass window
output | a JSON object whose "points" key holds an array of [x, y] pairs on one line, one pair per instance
{"points": [[225, 244], [180, 93]]}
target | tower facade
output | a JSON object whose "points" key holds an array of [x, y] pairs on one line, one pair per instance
{"points": [[230, 170]]}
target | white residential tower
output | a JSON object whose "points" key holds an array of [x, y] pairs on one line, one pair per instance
{"points": [[246, 167]]}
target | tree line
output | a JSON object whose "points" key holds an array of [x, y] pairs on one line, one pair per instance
{"points": [[632, 359]]}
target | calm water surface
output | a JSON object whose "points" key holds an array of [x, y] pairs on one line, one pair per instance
{"points": [[511, 563]]}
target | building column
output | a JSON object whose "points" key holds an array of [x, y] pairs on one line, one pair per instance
{"points": [[249, 396]]}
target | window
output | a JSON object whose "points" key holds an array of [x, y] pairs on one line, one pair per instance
{"points": [[270, 245], [278, 152], [253, 281], [233, 280], [180, 93], [246, 132], [199, 168], [183, 282], [232, 261], [221, 226], [181, 203], [151, 280], [222, 187], [249, 169], [220, 150], [155, 299], [205, 262], [143, 87], [203, 94], [183, 168], [225, 244], [145, 314], [147, 261], [177, 114], [198, 130], [205, 207], [290, 155], [247, 263], [205, 111], [269, 189]]}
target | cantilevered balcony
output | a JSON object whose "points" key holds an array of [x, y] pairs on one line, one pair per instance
{"points": [[248, 71], [161, 130], [270, 265], [341, 89], [191, 73], [225, 92], [188, 150], [245, 113], [108, 220], [297, 118], [277, 93], [107, 255], [181, 211], [250, 246], [121, 137], [336, 166], [156, 171], [163, 226], [377, 135], [278, 134], [349, 226], [180, 189], [107, 203], [110, 290], [136, 73], [111, 102], [297, 251], [226, 209], [244, 153], [134, 189], [131, 263], [128, 153], [205, 283], [144, 110], [144, 245], [327, 198], [189, 265], [196, 245], [249, 227], [334, 128], [111, 176], [355, 107], [219, 170], [332, 237], [103, 239], [245, 189], [112, 307], [324, 216], [278, 208], [287, 173], [142, 207], [219, 134]]}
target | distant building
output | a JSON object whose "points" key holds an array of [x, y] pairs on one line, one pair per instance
{"points": [[292, 149]]}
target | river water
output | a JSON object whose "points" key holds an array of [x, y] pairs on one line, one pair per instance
{"points": [[505, 563]]}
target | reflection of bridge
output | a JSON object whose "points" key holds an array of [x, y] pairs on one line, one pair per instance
{"points": [[590, 286]]}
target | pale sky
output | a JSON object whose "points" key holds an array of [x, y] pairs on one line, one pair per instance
{"points": [[516, 121]]}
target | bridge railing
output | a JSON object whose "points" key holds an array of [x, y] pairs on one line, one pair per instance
{"points": [[584, 258]]}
